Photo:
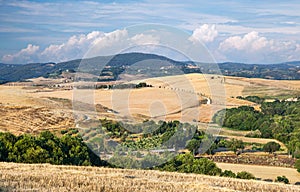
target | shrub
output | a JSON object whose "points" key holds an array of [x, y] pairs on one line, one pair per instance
{"points": [[3, 152], [235, 144], [63, 132], [228, 173], [271, 147], [186, 163], [245, 175], [282, 179], [297, 165]]}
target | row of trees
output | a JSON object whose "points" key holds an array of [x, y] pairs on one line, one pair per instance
{"points": [[254, 99]]}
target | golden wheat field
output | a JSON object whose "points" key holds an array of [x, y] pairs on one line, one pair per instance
{"points": [[35, 108], [45, 177]]}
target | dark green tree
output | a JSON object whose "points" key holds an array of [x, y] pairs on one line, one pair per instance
{"points": [[193, 146], [3, 152], [235, 145], [282, 179], [8, 140], [26, 150], [75, 151], [271, 147]]}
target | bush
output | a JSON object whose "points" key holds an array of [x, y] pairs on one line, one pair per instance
{"points": [[228, 173], [234, 145], [186, 163], [282, 179], [63, 132], [245, 175], [297, 165], [271, 147], [3, 152]]}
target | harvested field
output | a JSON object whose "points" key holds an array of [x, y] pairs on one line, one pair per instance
{"points": [[254, 159], [45, 177], [263, 172], [170, 98], [26, 119]]}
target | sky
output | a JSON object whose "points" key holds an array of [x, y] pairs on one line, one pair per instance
{"points": [[248, 31]]}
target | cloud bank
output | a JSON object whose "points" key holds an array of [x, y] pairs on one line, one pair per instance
{"points": [[251, 47]]}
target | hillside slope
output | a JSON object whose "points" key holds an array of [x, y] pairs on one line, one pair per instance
{"points": [[115, 65]]}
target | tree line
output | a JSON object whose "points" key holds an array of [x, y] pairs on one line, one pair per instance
{"points": [[46, 148]]}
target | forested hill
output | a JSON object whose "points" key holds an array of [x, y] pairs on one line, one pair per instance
{"points": [[117, 64], [288, 71]]}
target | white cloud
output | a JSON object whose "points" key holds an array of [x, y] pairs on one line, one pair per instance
{"points": [[74, 48], [298, 48], [111, 38], [27, 55], [142, 39], [252, 47], [251, 42], [92, 44], [206, 33]]}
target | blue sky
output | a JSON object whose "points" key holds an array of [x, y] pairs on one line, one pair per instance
{"points": [[233, 30]]}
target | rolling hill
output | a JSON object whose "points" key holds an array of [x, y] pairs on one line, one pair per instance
{"points": [[112, 66]]}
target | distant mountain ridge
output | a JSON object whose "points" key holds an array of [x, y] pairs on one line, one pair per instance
{"points": [[117, 63]]}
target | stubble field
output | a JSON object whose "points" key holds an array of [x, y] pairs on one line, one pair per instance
{"points": [[44, 177]]}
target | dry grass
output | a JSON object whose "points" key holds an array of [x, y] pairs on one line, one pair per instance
{"points": [[223, 131], [175, 96], [44, 177], [264, 87], [255, 140], [263, 172], [21, 112], [32, 119]]}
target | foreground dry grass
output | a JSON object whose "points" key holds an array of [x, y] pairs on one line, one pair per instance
{"points": [[44, 177]]}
